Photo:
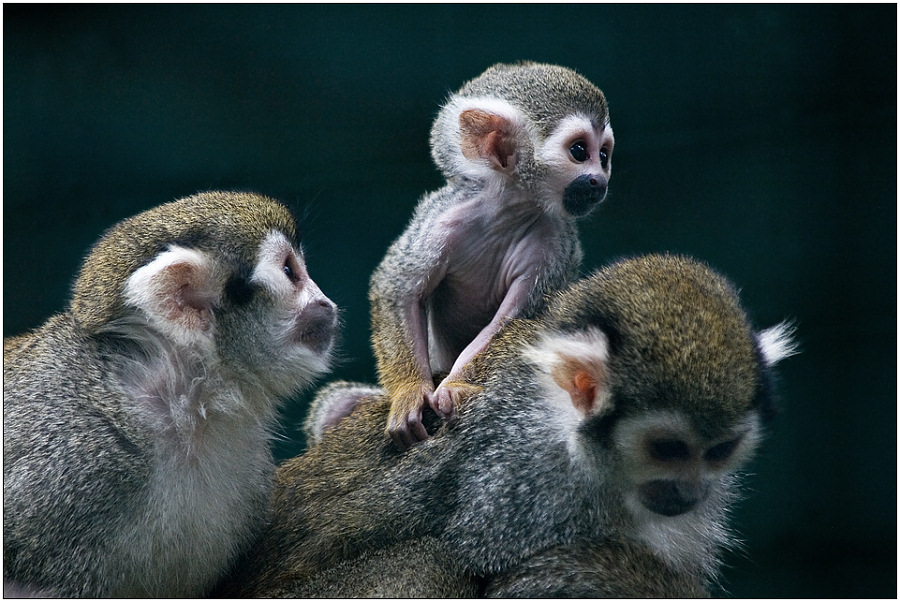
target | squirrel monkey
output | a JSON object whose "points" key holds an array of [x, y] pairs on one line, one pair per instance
{"points": [[600, 456], [526, 149], [137, 423]]}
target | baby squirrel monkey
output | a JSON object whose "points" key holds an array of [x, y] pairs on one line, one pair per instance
{"points": [[600, 456], [526, 150], [137, 423]]}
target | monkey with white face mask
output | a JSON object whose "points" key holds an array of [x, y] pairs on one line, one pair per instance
{"points": [[137, 423], [599, 457]]}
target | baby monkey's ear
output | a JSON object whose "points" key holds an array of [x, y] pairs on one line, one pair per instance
{"points": [[572, 366], [492, 131], [178, 291]]}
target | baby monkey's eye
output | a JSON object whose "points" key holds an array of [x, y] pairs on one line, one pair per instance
{"points": [[604, 158], [578, 151]]}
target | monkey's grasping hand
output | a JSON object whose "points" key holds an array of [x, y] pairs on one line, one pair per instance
{"points": [[405, 425]]}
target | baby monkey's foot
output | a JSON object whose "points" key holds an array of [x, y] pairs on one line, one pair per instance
{"points": [[450, 396]]}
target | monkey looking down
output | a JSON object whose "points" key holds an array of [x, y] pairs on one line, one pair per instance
{"points": [[599, 456], [137, 423], [526, 149]]}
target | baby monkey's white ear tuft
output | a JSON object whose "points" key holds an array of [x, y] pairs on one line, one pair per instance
{"points": [[575, 363], [777, 343], [178, 291]]}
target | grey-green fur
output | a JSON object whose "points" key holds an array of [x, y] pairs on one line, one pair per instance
{"points": [[515, 498]]}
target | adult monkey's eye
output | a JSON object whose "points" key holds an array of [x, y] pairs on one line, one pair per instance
{"points": [[722, 451], [667, 450], [289, 271], [578, 151]]}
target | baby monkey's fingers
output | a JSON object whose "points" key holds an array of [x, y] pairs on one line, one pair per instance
{"points": [[405, 418]]}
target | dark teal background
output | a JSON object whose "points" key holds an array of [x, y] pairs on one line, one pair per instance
{"points": [[759, 138]]}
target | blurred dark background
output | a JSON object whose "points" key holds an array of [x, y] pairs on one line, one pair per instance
{"points": [[759, 138]]}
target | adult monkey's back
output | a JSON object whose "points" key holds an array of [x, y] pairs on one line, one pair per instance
{"points": [[598, 458]]}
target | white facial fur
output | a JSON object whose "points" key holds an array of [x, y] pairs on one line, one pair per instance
{"points": [[685, 539], [303, 318], [275, 253], [563, 167], [634, 436], [682, 539]]}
